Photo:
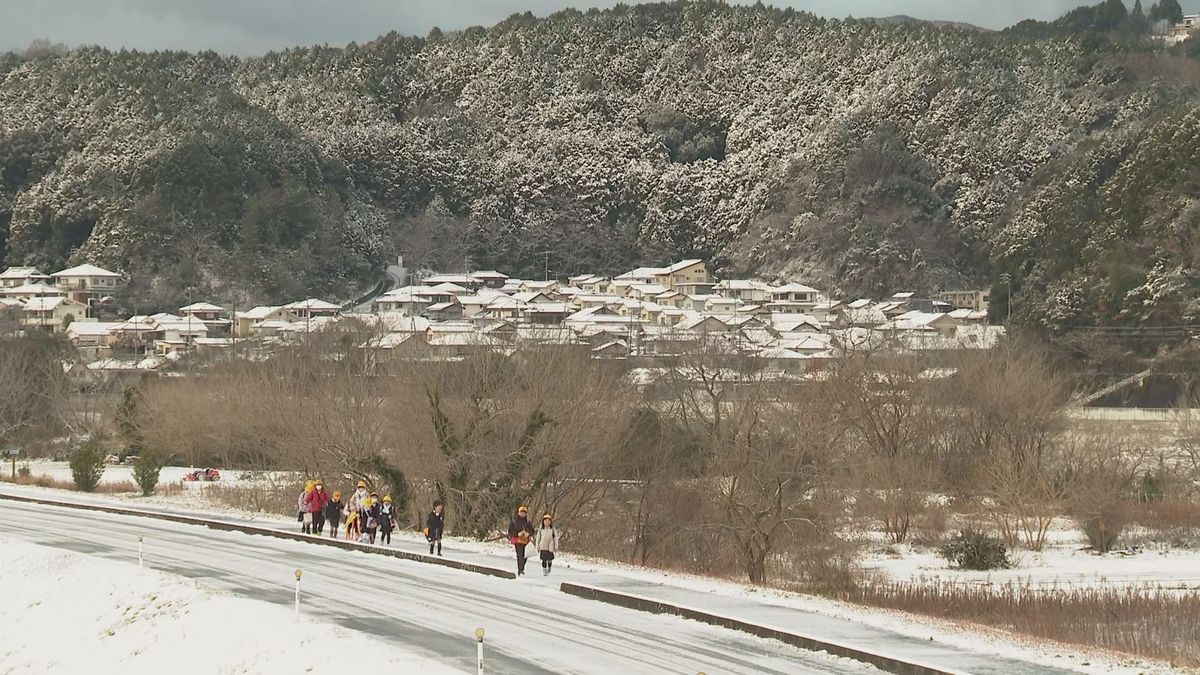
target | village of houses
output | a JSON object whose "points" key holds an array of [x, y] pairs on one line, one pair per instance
{"points": [[649, 311]]}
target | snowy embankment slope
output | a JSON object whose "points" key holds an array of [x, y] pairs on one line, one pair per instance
{"points": [[70, 613]]}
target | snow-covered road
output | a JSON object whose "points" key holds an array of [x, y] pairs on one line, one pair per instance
{"points": [[433, 611]]}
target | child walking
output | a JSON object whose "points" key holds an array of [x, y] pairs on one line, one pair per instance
{"points": [[368, 515], [546, 540], [333, 513], [387, 520], [435, 525]]}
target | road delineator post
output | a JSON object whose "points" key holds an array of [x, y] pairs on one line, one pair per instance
{"points": [[140, 563], [479, 648], [298, 595]]}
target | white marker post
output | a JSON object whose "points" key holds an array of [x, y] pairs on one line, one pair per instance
{"points": [[140, 564], [297, 595], [479, 648]]}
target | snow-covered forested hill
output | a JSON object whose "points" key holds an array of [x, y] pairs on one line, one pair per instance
{"points": [[855, 155]]}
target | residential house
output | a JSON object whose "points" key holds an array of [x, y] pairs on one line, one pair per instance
{"points": [[796, 293], [973, 300], [33, 290], [312, 308], [86, 284], [640, 291], [671, 276], [746, 290], [591, 284], [1180, 32], [203, 310], [403, 301], [641, 275], [23, 276], [489, 279], [134, 334], [684, 272], [722, 306], [444, 311], [210, 314], [52, 313], [249, 323], [178, 334], [465, 343], [92, 339]]}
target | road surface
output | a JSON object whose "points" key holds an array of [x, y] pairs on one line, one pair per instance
{"points": [[531, 626]]}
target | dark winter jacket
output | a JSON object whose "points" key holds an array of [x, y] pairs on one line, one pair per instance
{"points": [[436, 524], [365, 516], [333, 510], [520, 527], [387, 517]]}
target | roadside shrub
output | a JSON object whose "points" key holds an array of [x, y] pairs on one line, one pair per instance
{"points": [[974, 550], [1104, 526], [87, 466], [146, 469], [23, 471]]}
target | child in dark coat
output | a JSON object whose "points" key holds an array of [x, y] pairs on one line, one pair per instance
{"points": [[435, 525], [333, 513], [387, 521]]}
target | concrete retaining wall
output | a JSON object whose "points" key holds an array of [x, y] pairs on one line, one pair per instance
{"points": [[883, 662]]}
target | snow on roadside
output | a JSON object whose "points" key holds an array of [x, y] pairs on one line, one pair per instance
{"points": [[972, 637], [71, 613]]}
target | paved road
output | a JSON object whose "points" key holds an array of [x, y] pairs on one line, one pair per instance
{"points": [[531, 626]]}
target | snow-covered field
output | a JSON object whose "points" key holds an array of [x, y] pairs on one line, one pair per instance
{"points": [[70, 613], [1062, 564], [117, 473]]}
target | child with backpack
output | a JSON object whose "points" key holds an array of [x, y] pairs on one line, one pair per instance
{"points": [[387, 521]]}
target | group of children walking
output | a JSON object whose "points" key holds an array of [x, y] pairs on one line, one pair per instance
{"points": [[365, 516]]}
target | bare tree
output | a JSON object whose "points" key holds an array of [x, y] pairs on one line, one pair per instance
{"points": [[36, 390], [880, 396], [1007, 413]]}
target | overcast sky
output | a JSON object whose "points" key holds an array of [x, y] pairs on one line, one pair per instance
{"points": [[255, 26]]}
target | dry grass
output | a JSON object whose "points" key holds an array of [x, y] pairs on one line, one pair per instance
{"points": [[39, 481], [117, 487], [277, 498], [1149, 622], [59, 484], [169, 489], [1173, 521]]}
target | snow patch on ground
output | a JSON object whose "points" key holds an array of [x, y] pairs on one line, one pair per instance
{"points": [[71, 613]]}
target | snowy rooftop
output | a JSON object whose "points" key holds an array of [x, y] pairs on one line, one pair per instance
{"points": [[85, 271]]}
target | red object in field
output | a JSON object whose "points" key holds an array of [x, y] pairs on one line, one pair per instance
{"points": [[203, 474]]}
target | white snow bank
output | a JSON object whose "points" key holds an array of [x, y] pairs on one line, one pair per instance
{"points": [[70, 613]]}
